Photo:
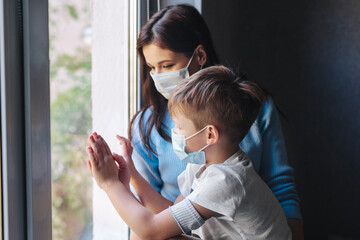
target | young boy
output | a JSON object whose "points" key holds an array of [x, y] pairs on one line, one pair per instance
{"points": [[222, 197]]}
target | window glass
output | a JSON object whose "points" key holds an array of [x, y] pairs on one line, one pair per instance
{"points": [[70, 91]]}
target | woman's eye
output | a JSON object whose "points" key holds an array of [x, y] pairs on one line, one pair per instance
{"points": [[168, 66]]}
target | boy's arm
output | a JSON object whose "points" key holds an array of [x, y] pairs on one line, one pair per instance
{"points": [[150, 198], [142, 221], [178, 199], [204, 212]]}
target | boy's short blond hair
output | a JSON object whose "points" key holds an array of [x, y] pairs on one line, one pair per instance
{"points": [[217, 96]]}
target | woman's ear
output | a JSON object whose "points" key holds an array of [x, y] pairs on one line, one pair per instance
{"points": [[201, 56], [212, 135]]}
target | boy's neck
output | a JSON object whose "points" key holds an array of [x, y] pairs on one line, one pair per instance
{"points": [[220, 152]]}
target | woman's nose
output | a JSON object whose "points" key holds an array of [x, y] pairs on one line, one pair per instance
{"points": [[156, 71]]}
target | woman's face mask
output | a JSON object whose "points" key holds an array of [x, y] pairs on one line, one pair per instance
{"points": [[166, 82], [179, 144]]}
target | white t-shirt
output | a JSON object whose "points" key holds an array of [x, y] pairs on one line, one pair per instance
{"points": [[233, 189]]}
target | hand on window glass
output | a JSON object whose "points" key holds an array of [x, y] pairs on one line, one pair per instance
{"points": [[102, 163]]}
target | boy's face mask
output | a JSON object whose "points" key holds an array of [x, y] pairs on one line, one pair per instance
{"points": [[179, 143], [166, 82]]}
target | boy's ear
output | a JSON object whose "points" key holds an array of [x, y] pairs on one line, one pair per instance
{"points": [[212, 134]]}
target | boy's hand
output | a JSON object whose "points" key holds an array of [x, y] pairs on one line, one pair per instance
{"points": [[127, 150], [124, 172], [102, 163]]}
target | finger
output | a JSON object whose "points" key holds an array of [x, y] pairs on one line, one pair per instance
{"points": [[122, 143], [125, 145], [122, 140], [120, 160], [96, 149], [106, 146], [101, 143], [89, 140], [118, 137], [128, 145], [92, 160], [90, 167]]}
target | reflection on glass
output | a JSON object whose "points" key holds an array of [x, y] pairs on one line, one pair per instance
{"points": [[70, 71]]}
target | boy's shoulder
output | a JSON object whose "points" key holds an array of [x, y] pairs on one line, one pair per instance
{"points": [[239, 162]]}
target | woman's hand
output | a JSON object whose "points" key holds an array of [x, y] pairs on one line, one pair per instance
{"points": [[102, 163]]}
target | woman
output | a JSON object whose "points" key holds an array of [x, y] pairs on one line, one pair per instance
{"points": [[172, 45]]}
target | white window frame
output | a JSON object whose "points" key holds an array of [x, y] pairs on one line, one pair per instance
{"points": [[110, 98]]}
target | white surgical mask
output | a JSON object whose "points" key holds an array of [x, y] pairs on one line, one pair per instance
{"points": [[179, 143], [167, 81]]}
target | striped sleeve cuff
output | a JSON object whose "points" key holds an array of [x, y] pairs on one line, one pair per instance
{"points": [[186, 216]]}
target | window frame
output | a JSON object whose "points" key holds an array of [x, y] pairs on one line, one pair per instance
{"points": [[25, 120]]}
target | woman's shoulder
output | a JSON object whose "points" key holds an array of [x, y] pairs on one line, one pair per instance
{"points": [[268, 115], [143, 114], [143, 118], [146, 113], [267, 108]]}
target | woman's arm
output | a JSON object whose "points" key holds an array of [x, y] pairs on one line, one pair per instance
{"points": [[274, 167], [296, 228], [145, 161]]}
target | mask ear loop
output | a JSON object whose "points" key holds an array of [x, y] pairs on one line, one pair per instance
{"points": [[191, 59], [203, 148], [196, 133]]}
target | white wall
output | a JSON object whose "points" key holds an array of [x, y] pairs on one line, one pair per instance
{"points": [[109, 98]]}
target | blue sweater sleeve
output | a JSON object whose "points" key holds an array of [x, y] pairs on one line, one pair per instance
{"points": [[274, 168], [146, 162]]}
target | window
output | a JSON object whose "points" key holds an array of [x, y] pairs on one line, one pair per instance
{"points": [[25, 107]]}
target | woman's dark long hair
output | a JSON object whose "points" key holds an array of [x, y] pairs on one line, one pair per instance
{"points": [[179, 28]]}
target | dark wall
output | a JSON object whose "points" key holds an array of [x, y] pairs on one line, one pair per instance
{"points": [[307, 54]]}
